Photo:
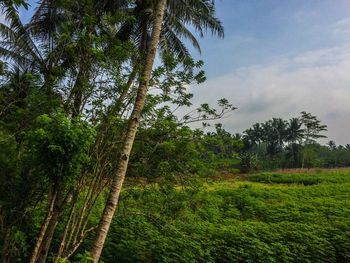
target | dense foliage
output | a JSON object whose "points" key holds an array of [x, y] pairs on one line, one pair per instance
{"points": [[278, 143], [269, 217], [83, 110]]}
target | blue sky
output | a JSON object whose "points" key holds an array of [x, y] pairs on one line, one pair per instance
{"points": [[278, 58], [258, 31]]}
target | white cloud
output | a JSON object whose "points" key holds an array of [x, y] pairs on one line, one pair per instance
{"points": [[317, 82]]}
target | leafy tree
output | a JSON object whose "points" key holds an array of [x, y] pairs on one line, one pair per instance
{"points": [[58, 150], [313, 128]]}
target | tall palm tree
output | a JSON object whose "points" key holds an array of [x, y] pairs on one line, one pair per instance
{"points": [[170, 20], [280, 127], [295, 132], [179, 16], [133, 124]]}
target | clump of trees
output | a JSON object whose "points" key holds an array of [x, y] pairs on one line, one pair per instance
{"points": [[279, 143]]}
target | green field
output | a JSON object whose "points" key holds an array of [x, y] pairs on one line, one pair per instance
{"points": [[265, 217]]}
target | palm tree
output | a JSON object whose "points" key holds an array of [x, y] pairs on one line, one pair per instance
{"points": [[279, 125], [332, 145], [133, 124], [170, 20], [270, 137], [295, 134], [313, 128], [179, 16]]}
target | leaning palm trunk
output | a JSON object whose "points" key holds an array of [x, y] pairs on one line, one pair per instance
{"points": [[133, 124]]}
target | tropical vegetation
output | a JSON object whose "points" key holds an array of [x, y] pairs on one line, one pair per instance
{"points": [[96, 164]]}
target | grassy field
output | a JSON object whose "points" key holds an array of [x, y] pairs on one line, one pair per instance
{"points": [[267, 217]]}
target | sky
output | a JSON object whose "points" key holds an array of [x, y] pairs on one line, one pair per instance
{"points": [[279, 58]]}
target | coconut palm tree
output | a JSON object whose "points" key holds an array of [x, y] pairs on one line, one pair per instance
{"points": [[295, 133], [130, 133], [161, 14], [179, 17]]}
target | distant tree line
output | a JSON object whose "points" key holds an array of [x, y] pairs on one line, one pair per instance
{"points": [[279, 143]]}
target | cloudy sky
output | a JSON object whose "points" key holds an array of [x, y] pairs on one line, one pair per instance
{"points": [[279, 58]]}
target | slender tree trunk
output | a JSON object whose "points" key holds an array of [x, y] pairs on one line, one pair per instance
{"points": [[119, 103], [56, 206], [45, 246], [133, 124], [303, 159], [65, 232], [43, 229], [79, 89]]}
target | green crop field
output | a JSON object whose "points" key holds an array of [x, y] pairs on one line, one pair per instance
{"points": [[265, 217]]}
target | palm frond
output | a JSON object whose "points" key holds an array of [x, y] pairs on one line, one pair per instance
{"points": [[170, 43], [17, 38], [181, 30], [45, 20], [198, 13], [20, 61], [18, 47]]}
